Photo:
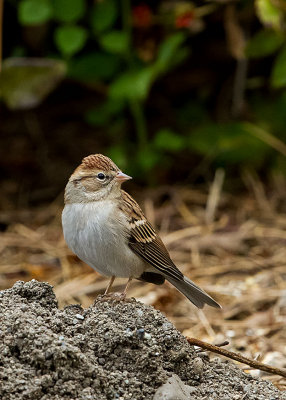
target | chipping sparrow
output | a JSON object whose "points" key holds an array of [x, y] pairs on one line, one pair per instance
{"points": [[106, 228]]}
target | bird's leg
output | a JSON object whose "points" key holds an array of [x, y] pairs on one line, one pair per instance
{"points": [[122, 296], [126, 287], [117, 296], [109, 285]]}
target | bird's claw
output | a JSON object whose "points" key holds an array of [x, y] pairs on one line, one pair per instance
{"points": [[114, 296]]}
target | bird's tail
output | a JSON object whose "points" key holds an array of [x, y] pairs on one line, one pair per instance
{"points": [[195, 294]]}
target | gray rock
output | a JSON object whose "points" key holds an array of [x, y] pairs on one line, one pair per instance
{"points": [[174, 389], [47, 353]]}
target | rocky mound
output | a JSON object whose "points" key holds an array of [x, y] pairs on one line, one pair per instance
{"points": [[112, 350]]}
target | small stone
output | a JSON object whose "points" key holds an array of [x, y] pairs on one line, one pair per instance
{"points": [[129, 332], [198, 366], [140, 333], [167, 326], [79, 316], [139, 312], [174, 389]]}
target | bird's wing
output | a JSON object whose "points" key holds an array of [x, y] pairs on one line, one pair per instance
{"points": [[144, 241]]}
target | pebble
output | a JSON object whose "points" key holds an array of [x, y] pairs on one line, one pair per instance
{"points": [[140, 333]]}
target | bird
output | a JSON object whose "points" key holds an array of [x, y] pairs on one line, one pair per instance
{"points": [[106, 228]]}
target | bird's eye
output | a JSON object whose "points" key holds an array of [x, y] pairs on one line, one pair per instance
{"points": [[101, 176]]}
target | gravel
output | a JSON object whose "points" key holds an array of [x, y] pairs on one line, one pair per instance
{"points": [[112, 350]]}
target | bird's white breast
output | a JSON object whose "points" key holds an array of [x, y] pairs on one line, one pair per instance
{"points": [[97, 233]]}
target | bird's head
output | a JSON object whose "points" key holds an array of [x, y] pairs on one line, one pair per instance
{"points": [[96, 178]]}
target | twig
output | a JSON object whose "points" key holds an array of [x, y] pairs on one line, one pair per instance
{"points": [[237, 357], [225, 343]]}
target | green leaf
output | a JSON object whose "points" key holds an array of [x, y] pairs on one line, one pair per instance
{"points": [[266, 137], [166, 139], [94, 67], [269, 113], [34, 12], [229, 143], [69, 10], [278, 75], [115, 42], [268, 13], [25, 82], [103, 15], [70, 39], [133, 84], [168, 50], [97, 117], [148, 159], [264, 43], [103, 114]]}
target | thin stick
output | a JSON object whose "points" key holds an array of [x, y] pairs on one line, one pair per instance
{"points": [[237, 357]]}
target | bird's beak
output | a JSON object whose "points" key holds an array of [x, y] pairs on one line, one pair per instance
{"points": [[121, 177]]}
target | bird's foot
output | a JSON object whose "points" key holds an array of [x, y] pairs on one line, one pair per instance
{"points": [[118, 296], [113, 296]]}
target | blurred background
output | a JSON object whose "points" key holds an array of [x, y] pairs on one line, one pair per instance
{"points": [[189, 98]]}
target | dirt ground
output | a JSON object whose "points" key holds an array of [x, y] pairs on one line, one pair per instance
{"points": [[111, 350], [232, 246]]}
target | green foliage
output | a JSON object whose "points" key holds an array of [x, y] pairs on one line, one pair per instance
{"points": [[104, 113], [136, 84], [118, 154], [264, 43], [69, 11], [230, 143], [125, 51], [70, 39], [278, 78], [132, 84], [115, 42], [168, 140], [103, 15], [34, 12], [270, 113], [95, 66], [168, 49], [149, 158], [269, 13]]}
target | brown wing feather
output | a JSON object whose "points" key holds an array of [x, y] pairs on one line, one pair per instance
{"points": [[145, 242]]}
